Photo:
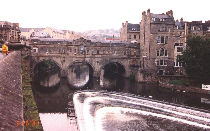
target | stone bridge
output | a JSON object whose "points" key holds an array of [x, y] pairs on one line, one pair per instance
{"points": [[95, 54]]}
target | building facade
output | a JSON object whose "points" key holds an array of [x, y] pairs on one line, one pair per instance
{"points": [[157, 42], [162, 40], [130, 32], [9, 32]]}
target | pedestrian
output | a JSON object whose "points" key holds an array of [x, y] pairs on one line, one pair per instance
{"points": [[5, 50]]}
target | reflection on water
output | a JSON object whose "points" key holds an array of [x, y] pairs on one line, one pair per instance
{"points": [[78, 75], [57, 102], [51, 81], [57, 122]]}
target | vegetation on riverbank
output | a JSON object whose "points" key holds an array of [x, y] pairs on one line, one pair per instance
{"points": [[179, 82], [30, 110], [196, 60]]}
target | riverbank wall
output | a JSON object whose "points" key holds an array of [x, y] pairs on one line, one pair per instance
{"points": [[11, 98]]}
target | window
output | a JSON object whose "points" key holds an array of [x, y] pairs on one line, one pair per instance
{"points": [[177, 38], [97, 52], [160, 72], [166, 53], [134, 36], [177, 64], [35, 50], [162, 52], [87, 51], [161, 62], [208, 28], [158, 40], [162, 40], [179, 49], [129, 37], [133, 29], [163, 29], [166, 40], [158, 53]]}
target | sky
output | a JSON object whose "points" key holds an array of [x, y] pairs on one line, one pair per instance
{"points": [[83, 15]]}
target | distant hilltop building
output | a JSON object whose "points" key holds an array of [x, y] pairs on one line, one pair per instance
{"points": [[9, 32], [48, 32], [162, 40]]}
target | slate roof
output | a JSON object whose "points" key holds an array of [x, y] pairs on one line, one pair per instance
{"points": [[158, 17], [179, 24], [133, 27]]}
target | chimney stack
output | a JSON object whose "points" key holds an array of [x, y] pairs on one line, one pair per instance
{"points": [[170, 13], [148, 11]]}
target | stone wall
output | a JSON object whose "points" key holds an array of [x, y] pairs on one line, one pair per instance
{"points": [[11, 98]]}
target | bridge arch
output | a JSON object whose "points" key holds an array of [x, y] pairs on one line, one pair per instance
{"points": [[80, 74], [119, 63], [111, 75], [36, 62], [46, 75]]}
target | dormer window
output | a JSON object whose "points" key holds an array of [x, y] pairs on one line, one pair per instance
{"points": [[208, 28], [133, 29]]}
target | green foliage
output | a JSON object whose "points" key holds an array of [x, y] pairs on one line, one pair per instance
{"points": [[2, 42], [178, 82], [29, 105], [196, 58]]}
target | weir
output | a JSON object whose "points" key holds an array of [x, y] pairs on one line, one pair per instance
{"points": [[118, 111]]}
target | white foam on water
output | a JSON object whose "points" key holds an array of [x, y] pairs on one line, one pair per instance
{"points": [[87, 122], [107, 110]]}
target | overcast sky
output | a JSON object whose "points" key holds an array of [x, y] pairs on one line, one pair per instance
{"points": [[82, 15]]}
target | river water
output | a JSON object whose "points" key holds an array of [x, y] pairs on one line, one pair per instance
{"points": [[54, 102]]}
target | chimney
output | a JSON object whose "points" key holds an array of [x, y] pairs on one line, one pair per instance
{"points": [[143, 13], [148, 11], [126, 23], [170, 13], [181, 20], [16, 24]]}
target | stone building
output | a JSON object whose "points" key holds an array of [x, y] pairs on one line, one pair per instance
{"points": [[162, 40], [180, 36], [157, 42], [130, 32], [9, 31], [206, 28], [198, 28]]}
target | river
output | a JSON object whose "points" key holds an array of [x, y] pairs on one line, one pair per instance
{"points": [[54, 103]]}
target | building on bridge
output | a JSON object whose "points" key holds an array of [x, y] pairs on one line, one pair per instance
{"points": [[120, 59]]}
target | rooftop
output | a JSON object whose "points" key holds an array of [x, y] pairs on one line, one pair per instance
{"points": [[133, 27]]}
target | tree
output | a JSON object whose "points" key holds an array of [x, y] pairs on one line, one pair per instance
{"points": [[196, 58]]}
